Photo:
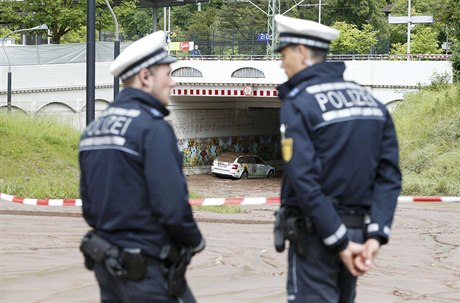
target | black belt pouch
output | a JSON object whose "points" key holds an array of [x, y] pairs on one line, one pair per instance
{"points": [[135, 264]]}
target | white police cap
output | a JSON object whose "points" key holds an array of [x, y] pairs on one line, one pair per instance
{"points": [[306, 32], [145, 52]]}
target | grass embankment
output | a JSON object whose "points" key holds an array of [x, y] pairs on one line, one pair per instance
{"points": [[38, 156], [39, 159], [428, 126]]}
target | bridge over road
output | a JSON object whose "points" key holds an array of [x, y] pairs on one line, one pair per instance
{"points": [[217, 105]]}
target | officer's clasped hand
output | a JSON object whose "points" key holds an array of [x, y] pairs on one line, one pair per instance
{"points": [[352, 258]]}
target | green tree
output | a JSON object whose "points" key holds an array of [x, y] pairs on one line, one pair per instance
{"points": [[238, 22], [61, 16], [242, 17], [357, 12], [9, 14], [353, 40], [133, 21], [68, 17], [74, 36], [446, 14], [423, 41]]}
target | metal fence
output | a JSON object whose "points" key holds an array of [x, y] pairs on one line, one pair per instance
{"points": [[76, 53]]}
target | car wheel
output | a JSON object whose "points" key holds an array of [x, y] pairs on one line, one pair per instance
{"points": [[244, 175], [271, 174]]}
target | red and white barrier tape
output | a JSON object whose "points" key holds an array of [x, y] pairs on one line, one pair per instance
{"points": [[45, 202], [210, 201], [428, 199], [235, 201]]}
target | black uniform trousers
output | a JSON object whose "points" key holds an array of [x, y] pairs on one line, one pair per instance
{"points": [[152, 289], [320, 276]]}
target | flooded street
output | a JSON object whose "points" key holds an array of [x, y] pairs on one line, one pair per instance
{"points": [[40, 261], [209, 186]]}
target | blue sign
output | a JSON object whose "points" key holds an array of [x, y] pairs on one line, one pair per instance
{"points": [[263, 37]]}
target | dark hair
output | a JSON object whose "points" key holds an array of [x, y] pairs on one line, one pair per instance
{"points": [[319, 55]]}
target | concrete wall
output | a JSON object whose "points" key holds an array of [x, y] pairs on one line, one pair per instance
{"points": [[205, 125], [224, 122], [396, 73], [73, 76]]}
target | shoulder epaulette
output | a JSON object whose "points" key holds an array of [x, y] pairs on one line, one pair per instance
{"points": [[297, 90], [293, 93], [156, 114]]}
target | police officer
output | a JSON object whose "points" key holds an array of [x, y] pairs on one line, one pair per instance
{"points": [[341, 167], [133, 189]]}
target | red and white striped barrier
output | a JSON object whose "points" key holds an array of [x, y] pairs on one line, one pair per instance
{"points": [[45, 202], [227, 92], [234, 201], [210, 201], [428, 199]]}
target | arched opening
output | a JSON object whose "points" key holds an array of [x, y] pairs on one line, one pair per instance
{"points": [[248, 72], [99, 105], [186, 72], [14, 109], [60, 112]]}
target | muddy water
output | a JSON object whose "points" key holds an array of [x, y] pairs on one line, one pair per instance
{"points": [[40, 261], [209, 186]]}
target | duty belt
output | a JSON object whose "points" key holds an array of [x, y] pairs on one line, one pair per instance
{"points": [[354, 221]]}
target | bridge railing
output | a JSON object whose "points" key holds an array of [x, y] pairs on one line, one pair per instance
{"points": [[331, 57], [76, 53]]}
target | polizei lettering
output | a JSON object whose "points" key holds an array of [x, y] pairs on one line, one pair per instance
{"points": [[109, 125], [340, 99]]}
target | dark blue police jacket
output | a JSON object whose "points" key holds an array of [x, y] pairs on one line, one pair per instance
{"points": [[339, 144], [132, 186]]}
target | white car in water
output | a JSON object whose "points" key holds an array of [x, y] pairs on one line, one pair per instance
{"points": [[241, 166]]}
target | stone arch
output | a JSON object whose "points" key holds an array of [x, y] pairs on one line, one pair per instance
{"points": [[14, 109], [60, 112], [186, 72], [99, 106], [248, 72], [56, 107]]}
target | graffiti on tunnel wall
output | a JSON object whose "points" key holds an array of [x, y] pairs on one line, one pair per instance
{"points": [[202, 151]]}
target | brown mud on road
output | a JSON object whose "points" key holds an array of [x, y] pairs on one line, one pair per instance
{"points": [[40, 261], [209, 186]]}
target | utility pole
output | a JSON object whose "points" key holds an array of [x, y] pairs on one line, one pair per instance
{"points": [[409, 24], [273, 10], [319, 12], [90, 60]]}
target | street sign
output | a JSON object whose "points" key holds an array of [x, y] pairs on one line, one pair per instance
{"points": [[263, 37], [248, 90], [411, 19], [445, 45], [181, 46]]}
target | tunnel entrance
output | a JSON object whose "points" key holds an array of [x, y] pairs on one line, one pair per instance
{"points": [[207, 129]]}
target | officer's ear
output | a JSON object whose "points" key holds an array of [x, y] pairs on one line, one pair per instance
{"points": [[143, 76], [304, 53]]}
